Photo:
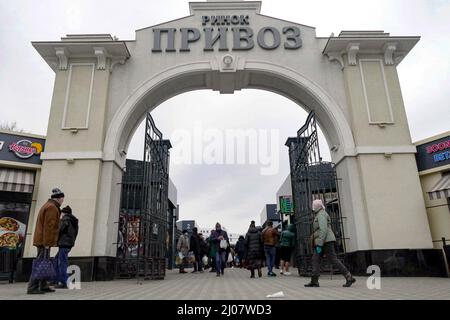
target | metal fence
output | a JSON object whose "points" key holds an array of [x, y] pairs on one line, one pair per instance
{"points": [[312, 179]]}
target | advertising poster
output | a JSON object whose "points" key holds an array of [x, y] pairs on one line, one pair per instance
{"points": [[13, 224]]}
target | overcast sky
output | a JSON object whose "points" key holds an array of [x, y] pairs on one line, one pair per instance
{"points": [[232, 194]]}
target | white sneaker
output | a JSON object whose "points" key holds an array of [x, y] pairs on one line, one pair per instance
{"points": [[287, 273], [281, 272]]}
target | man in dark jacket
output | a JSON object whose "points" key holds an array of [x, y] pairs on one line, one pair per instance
{"points": [[217, 237], [68, 231], [46, 236], [195, 248], [240, 250]]}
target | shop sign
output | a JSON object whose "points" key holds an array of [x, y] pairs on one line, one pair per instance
{"points": [[21, 148], [25, 149], [433, 154], [286, 205], [215, 31]]}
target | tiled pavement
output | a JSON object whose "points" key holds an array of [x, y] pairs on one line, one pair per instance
{"points": [[236, 284]]}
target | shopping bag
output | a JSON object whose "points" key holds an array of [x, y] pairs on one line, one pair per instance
{"points": [[191, 257], [43, 269], [205, 260], [223, 244], [230, 258]]}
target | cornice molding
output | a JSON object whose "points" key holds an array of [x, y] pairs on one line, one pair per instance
{"points": [[352, 51], [106, 53], [355, 43], [62, 55]]}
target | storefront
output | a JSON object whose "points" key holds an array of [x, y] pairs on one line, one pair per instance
{"points": [[433, 162], [20, 165]]}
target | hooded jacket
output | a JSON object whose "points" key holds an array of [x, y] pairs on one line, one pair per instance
{"points": [[253, 245], [288, 237], [322, 232], [68, 231]]}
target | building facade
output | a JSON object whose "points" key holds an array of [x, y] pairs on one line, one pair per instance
{"points": [[433, 162], [349, 80]]}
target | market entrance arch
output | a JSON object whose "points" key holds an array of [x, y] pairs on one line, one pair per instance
{"points": [[104, 87]]}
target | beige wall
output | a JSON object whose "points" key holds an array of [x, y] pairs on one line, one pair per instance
{"points": [[394, 200], [73, 103], [438, 210], [79, 182]]}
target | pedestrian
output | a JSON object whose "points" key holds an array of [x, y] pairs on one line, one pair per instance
{"points": [[212, 252], [323, 243], [270, 237], [204, 250], [287, 243], [221, 242], [46, 236], [253, 250], [195, 248], [240, 250], [183, 250], [68, 231]]}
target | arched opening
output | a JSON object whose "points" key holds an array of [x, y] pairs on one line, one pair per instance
{"points": [[288, 84]]}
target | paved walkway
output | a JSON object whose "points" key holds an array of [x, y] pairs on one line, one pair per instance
{"points": [[236, 284]]}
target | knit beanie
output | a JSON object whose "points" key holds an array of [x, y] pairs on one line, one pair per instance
{"points": [[57, 193]]}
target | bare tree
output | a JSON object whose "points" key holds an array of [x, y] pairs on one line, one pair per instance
{"points": [[7, 126]]}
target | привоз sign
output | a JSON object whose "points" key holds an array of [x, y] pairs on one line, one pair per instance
{"points": [[244, 37]]}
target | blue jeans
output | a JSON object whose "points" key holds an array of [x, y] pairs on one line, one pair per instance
{"points": [[62, 258], [221, 261], [270, 257]]}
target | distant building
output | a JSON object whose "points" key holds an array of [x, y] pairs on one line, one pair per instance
{"points": [[270, 213], [186, 225]]}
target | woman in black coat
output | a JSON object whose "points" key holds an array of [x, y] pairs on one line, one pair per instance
{"points": [[253, 249]]}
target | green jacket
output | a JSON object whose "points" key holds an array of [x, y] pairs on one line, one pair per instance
{"points": [[288, 237], [322, 232]]}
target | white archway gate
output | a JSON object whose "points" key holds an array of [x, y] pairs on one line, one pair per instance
{"points": [[104, 87]]}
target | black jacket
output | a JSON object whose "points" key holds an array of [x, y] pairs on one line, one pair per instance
{"points": [[253, 245], [68, 231], [194, 244], [240, 245]]}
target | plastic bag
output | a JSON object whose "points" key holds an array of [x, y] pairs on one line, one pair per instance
{"points": [[223, 244], [205, 260], [230, 258]]}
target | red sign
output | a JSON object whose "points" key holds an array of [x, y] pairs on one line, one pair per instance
{"points": [[25, 149], [438, 147]]}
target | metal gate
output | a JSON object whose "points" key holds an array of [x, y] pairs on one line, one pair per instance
{"points": [[312, 179], [142, 239]]}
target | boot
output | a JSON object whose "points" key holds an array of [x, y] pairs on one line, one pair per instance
{"points": [[259, 273], [252, 272], [349, 280], [314, 282]]}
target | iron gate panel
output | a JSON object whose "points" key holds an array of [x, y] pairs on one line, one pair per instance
{"points": [[142, 246], [312, 178]]}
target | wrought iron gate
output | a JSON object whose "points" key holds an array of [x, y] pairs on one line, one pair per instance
{"points": [[312, 179], [142, 243]]}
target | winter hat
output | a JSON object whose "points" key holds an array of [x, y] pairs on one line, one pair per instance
{"points": [[317, 205], [67, 209], [57, 193]]}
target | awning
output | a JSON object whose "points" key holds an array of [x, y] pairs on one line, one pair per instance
{"points": [[15, 180], [441, 189]]}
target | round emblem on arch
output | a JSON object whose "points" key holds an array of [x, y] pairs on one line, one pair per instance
{"points": [[227, 60]]}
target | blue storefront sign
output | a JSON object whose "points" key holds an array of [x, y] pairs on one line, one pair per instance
{"points": [[433, 154]]}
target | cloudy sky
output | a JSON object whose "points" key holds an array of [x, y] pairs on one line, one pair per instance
{"points": [[232, 194]]}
